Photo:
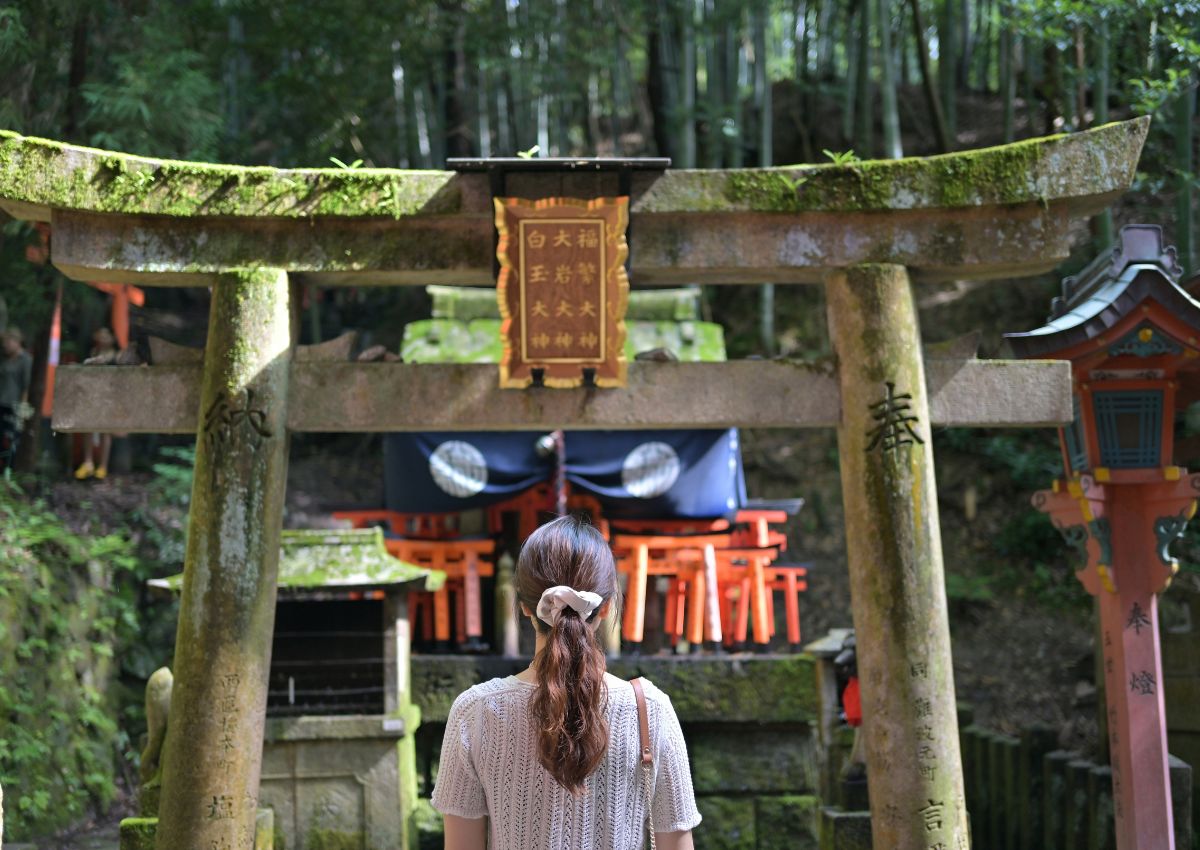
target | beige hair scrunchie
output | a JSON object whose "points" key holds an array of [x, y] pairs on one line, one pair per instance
{"points": [[560, 597]]}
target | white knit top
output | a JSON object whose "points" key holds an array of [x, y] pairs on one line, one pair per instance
{"points": [[489, 767]]}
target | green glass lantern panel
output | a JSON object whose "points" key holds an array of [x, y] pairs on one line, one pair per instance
{"points": [[1129, 425], [1076, 447]]}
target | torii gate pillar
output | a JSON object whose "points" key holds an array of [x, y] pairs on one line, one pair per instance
{"points": [[213, 754], [894, 548]]}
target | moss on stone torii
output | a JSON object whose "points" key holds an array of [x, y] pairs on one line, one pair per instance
{"points": [[38, 175]]}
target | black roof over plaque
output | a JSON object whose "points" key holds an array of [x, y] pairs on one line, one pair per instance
{"points": [[1107, 290]]}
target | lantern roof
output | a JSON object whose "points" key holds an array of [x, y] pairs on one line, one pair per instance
{"points": [[1137, 268]]}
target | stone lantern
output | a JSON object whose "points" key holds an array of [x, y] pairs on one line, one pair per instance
{"points": [[1130, 332]]}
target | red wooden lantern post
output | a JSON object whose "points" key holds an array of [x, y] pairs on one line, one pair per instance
{"points": [[1129, 331]]}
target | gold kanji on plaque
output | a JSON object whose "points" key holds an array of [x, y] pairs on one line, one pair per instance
{"points": [[562, 290]]}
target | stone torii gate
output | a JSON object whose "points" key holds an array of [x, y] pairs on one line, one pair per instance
{"points": [[865, 231]]}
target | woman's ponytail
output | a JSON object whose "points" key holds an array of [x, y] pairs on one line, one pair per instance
{"points": [[569, 705]]}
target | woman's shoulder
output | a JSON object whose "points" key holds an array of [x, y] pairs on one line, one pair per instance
{"points": [[477, 694], [622, 688]]}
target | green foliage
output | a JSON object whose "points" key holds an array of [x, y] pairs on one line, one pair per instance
{"points": [[1025, 556], [841, 157], [161, 98], [173, 475], [67, 608]]}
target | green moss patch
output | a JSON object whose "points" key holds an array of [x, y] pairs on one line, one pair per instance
{"points": [[51, 174]]}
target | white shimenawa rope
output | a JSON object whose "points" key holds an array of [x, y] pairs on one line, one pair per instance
{"points": [[557, 599]]}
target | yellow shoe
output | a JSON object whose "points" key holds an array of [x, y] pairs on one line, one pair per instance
{"points": [[101, 473], [86, 470]]}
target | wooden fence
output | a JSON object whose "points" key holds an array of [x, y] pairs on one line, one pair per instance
{"points": [[1024, 792]]}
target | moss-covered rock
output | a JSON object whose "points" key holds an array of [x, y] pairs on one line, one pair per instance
{"points": [[334, 839], [788, 823], [752, 760], [777, 689], [138, 833], [845, 830], [728, 823], [755, 690]]}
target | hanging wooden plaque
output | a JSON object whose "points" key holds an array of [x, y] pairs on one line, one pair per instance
{"points": [[563, 290]]}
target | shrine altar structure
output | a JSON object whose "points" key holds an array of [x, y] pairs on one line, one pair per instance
{"points": [[867, 231]]}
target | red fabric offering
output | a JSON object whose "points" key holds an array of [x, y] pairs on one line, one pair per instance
{"points": [[852, 703]]}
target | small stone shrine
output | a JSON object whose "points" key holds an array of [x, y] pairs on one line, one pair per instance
{"points": [[338, 759]]}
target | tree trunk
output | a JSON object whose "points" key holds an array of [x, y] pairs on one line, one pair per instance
{"points": [[656, 90], [457, 126], [947, 65], [713, 99], [1007, 78], [762, 87], [1081, 121], [1102, 225], [1185, 114], [864, 125], [931, 95], [688, 88], [892, 146], [851, 78], [76, 72], [483, 116]]}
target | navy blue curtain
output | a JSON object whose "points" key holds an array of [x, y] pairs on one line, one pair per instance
{"points": [[647, 474]]}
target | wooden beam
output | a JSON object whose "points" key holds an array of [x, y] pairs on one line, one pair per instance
{"points": [[380, 397]]}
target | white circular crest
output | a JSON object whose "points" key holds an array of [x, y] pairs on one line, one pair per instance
{"points": [[458, 468], [650, 470]]}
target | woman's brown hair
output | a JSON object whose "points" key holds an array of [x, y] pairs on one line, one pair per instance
{"points": [[569, 703]]}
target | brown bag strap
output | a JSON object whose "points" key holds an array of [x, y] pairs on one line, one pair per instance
{"points": [[643, 721], [647, 754]]}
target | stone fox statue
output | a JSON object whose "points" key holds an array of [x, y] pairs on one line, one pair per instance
{"points": [[158, 703]]}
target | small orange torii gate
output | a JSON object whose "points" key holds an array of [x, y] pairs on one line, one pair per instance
{"points": [[866, 231]]}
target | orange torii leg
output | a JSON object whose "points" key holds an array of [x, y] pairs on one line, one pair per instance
{"points": [[727, 613], [743, 613], [696, 607], [758, 598], [441, 601], [474, 624], [460, 615], [671, 609], [793, 607], [635, 595], [713, 627]]}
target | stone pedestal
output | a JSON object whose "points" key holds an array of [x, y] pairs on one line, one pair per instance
{"points": [[337, 781]]}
